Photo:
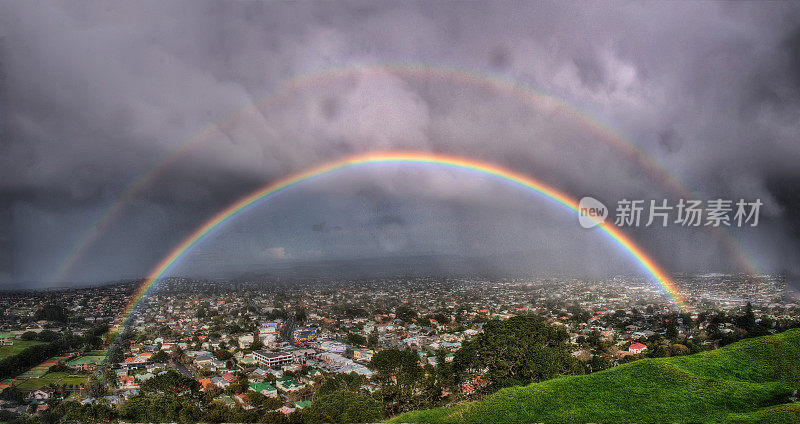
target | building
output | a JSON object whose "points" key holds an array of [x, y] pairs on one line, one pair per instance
{"points": [[637, 348], [302, 404], [265, 389], [273, 359], [6, 339], [305, 334], [288, 384], [245, 341], [332, 346], [361, 354], [302, 355], [141, 358]]}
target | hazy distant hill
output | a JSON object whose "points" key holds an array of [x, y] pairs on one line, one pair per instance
{"points": [[502, 265], [748, 381]]}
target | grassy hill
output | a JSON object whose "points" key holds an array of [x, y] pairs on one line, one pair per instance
{"points": [[743, 382]]}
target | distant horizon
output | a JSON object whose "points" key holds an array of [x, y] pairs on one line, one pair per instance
{"points": [[77, 285]]}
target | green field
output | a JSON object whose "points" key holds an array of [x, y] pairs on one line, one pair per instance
{"points": [[54, 378], [87, 359], [743, 382], [17, 347]]}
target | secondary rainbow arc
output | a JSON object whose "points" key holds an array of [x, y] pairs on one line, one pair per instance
{"points": [[302, 81], [636, 252]]}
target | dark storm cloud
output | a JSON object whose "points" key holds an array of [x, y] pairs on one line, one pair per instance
{"points": [[389, 220], [94, 95], [324, 228]]}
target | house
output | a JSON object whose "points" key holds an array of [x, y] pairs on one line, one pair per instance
{"points": [[259, 373], [356, 368], [265, 389], [245, 341], [637, 348], [302, 404], [220, 382], [127, 382], [6, 339], [204, 361], [226, 400], [144, 377], [473, 385], [216, 364], [288, 384], [140, 358], [247, 361], [40, 394], [155, 366], [242, 400], [285, 410], [129, 393], [113, 399]]}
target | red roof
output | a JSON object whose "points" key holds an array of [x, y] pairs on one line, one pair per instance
{"points": [[638, 346]]}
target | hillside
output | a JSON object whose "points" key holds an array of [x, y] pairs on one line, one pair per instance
{"points": [[743, 382]]}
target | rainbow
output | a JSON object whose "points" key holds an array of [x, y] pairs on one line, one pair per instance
{"points": [[421, 158], [320, 79]]}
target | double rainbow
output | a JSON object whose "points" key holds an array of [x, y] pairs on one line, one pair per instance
{"points": [[418, 158], [415, 72]]}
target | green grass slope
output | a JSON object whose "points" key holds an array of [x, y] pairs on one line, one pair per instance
{"points": [[741, 382]]}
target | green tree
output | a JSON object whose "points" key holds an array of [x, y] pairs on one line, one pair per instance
{"points": [[405, 313], [223, 355], [160, 356], [170, 383], [342, 407], [520, 350], [52, 312], [356, 339], [398, 372]]}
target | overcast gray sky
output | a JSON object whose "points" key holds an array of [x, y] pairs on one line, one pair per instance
{"points": [[95, 94]]}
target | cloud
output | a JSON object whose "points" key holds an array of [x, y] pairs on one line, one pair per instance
{"points": [[277, 252], [94, 97], [324, 228]]}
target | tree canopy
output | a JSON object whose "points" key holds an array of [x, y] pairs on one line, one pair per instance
{"points": [[519, 350]]}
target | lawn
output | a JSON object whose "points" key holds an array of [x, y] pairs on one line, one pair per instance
{"points": [[35, 383], [59, 378], [74, 380], [17, 347], [87, 359], [744, 381]]}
